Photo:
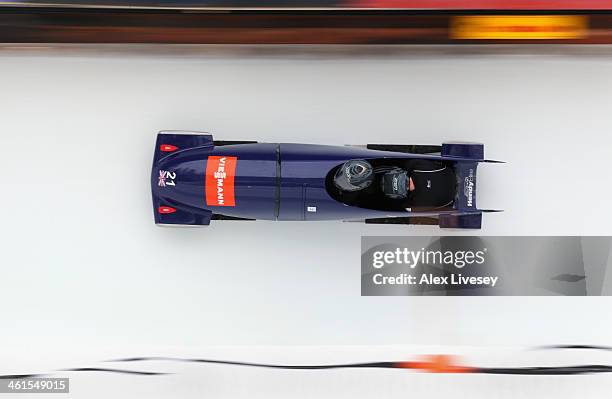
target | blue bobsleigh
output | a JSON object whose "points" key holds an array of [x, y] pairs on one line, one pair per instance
{"points": [[196, 179]]}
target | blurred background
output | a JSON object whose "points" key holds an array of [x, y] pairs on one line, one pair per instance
{"points": [[299, 22]]}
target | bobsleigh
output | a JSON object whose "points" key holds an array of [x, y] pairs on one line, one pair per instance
{"points": [[196, 180]]}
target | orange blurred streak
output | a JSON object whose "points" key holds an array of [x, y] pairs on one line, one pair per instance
{"points": [[437, 364]]}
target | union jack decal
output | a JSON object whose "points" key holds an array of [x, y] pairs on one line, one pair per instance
{"points": [[162, 179], [166, 178]]}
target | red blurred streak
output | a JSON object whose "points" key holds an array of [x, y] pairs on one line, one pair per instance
{"points": [[485, 4]]}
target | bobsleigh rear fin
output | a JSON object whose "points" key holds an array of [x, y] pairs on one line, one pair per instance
{"points": [[447, 220], [171, 141], [407, 148], [467, 221], [414, 220], [473, 151]]}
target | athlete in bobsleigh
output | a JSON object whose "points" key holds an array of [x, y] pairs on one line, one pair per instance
{"points": [[196, 179]]}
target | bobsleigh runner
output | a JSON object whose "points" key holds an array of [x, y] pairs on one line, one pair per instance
{"points": [[196, 179]]}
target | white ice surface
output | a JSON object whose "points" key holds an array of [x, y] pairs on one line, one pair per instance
{"points": [[84, 267]]}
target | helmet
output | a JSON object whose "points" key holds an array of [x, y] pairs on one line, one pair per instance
{"points": [[395, 183], [354, 175]]}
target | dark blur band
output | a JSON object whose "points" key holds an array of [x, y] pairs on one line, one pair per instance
{"points": [[113, 25]]}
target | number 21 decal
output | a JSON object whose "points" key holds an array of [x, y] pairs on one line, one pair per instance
{"points": [[166, 178]]}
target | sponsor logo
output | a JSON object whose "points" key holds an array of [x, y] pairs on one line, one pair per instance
{"points": [[220, 172], [468, 187], [166, 178]]}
